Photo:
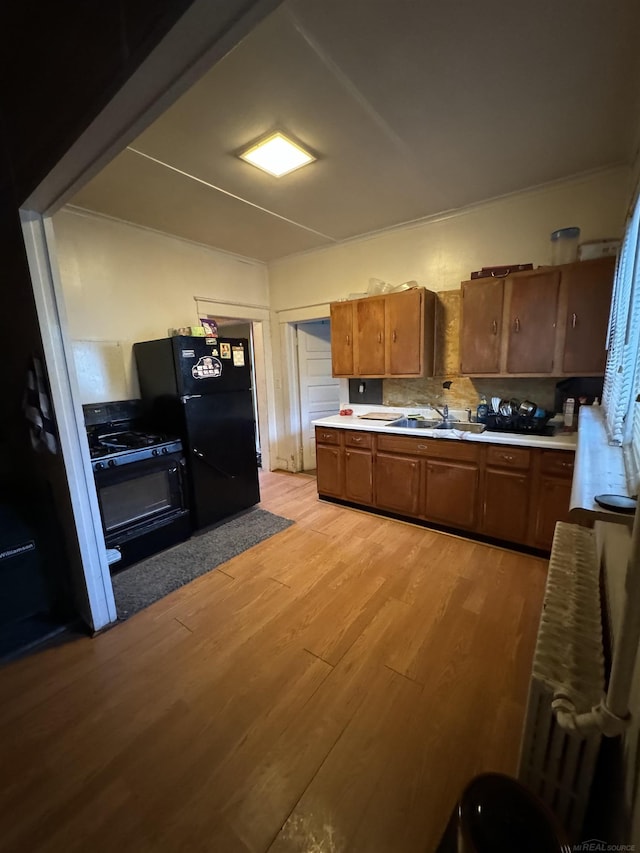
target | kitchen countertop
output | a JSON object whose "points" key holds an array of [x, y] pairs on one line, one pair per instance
{"points": [[599, 470], [562, 441]]}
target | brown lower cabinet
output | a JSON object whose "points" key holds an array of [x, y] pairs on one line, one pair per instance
{"points": [[506, 493], [397, 480], [505, 505], [330, 470], [514, 494], [358, 476], [553, 471], [451, 488]]}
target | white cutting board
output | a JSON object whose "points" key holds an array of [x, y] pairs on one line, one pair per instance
{"points": [[381, 416]]}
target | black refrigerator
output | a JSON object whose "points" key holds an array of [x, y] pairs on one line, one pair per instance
{"points": [[200, 389]]}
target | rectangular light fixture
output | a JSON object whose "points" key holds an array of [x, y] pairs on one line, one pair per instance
{"points": [[277, 154]]}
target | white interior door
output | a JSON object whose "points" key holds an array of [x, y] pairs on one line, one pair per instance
{"points": [[319, 391]]}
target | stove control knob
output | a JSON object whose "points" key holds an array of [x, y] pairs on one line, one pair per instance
{"points": [[155, 452], [99, 466], [165, 449], [112, 463]]}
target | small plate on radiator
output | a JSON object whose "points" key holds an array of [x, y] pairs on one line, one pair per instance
{"points": [[617, 503]]}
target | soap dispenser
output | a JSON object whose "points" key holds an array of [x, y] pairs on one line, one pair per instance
{"points": [[482, 410]]}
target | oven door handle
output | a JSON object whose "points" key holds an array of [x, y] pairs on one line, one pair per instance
{"points": [[224, 473]]}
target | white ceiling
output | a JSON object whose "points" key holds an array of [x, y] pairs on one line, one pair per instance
{"points": [[414, 107]]}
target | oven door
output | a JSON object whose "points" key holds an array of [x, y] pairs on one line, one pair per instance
{"points": [[141, 495]]}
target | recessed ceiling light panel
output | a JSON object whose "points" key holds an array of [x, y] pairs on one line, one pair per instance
{"points": [[277, 155]]}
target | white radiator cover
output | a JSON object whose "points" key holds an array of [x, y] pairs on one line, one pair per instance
{"points": [[555, 764]]}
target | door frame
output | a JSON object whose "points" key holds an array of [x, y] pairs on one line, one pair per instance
{"points": [[194, 44], [97, 607], [301, 434], [289, 449]]}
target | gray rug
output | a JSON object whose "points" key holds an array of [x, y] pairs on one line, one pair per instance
{"points": [[140, 585]]}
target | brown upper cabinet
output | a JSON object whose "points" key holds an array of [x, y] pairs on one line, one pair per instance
{"points": [[481, 325], [342, 338], [389, 335], [547, 322], [587, 290], [370, 335]]}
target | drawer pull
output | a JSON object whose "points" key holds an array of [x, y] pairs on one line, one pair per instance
{"points": [[506, 457], [357, 438], [423, 447], [326, 435]]}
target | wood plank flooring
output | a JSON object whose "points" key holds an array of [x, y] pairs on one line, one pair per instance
{"points": [[330, 690]]}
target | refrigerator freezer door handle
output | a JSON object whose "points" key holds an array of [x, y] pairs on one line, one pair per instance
{"points": [[224, 473], [186, 397]]}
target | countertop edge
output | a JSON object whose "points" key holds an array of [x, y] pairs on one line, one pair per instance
{"points": [[563, 441]]}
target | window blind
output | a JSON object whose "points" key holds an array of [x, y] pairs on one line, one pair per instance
{"points": [[623, 339]]}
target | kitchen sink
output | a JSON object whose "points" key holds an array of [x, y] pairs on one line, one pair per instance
{"points": [[464, 426], [412, 423]]}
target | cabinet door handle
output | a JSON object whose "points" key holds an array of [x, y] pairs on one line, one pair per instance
{"points": [[494, 327], [395, 336], [574, 320], [516, 325], [347, 454], [335, 452], [379, 337], [413, 464]]}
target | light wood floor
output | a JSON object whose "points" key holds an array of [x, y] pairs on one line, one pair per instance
{"points": [[330, 690]]}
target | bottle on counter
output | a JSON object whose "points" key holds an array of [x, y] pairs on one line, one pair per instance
{"points": [[569, 413], [483, 410]]}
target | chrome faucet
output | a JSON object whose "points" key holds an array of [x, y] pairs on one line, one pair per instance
{"points": [[444, 414]]}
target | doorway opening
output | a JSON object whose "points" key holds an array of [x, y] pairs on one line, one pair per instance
{"points": [[319, 391]]}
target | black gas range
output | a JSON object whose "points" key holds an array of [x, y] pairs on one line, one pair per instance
{"points": [[124, 446], [140, 477]]}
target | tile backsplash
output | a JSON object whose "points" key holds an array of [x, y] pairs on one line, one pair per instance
{"points": [[464, 392]]}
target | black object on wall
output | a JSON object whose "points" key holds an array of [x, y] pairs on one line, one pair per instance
{"points": [[365, 391]]}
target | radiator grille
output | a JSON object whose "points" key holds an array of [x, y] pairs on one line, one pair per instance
{"points": [[557, 765]]}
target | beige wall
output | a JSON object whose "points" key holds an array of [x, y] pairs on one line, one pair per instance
{"points": [[438, 253], [123, 284], [441, 252]]}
